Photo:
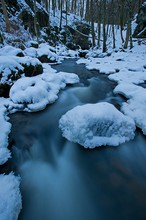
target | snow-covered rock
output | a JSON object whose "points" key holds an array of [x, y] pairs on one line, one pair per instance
{"points": [[36, 92], [10, 50], [10, 198], [12, 67], [135, 107], [94, 125], [45, 53]]}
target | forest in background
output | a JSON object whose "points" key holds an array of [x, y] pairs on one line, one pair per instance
{"points": [[101, 15]]}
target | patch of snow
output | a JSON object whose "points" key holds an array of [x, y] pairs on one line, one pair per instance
{"points": [[94, 125], [10, 198]]}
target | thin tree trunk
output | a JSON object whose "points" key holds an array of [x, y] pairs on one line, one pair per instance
{"points": [[104, 27], [1, 39], [66, 12], [113, 26], [92, 24], [127, 35], [60, 26], [6, 16], [87, 14], [35, 22], [131, 43], [113, 34], [53, 7], [99, 23], [49, 12], [121, 7]]}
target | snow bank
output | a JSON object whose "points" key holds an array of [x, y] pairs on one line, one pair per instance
{"points": [[116, 62], [5, 128], [94, 125], [36, 92], [10, 198], [10, 50], [135, 107], [129, 76]]}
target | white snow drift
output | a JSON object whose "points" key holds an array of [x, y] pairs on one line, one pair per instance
{"points": [[135, 107], [5, 128], [10, 198], [93, 125]]}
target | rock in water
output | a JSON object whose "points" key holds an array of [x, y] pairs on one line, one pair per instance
{"points": [[140, 30], [94, 125]]}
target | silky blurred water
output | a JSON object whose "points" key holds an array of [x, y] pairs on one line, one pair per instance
{"points": [[62, 180]]}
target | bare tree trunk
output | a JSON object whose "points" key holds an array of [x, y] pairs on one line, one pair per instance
{"points": [[1, 39], [92, 23], [121, 11], [6, 16], [129, 29], [49, 12], [127, 35], [104, 27], [113, 26], [53, 7], [60, 26], [82, 8], [87, 13], [99, 23], [35, 22], [66, 11], [113, 33]]}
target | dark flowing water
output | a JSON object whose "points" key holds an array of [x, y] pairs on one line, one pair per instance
{"points": [[62, 180]]}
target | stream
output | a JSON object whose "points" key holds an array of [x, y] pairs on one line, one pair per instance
{"points": [[61, 180]]}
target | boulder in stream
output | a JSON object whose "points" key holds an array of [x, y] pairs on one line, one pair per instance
{"points": [[94, 125]]}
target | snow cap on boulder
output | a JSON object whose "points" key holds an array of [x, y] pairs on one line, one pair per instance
{"points": [[94, 125]]}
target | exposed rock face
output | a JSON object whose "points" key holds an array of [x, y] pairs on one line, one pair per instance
{"points": [[4, 90], [140, 30], [25, 12], [79, 37], [31, 70]]}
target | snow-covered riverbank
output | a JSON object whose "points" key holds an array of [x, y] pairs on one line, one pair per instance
{"points": [[128, 69], [26, 94]]}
